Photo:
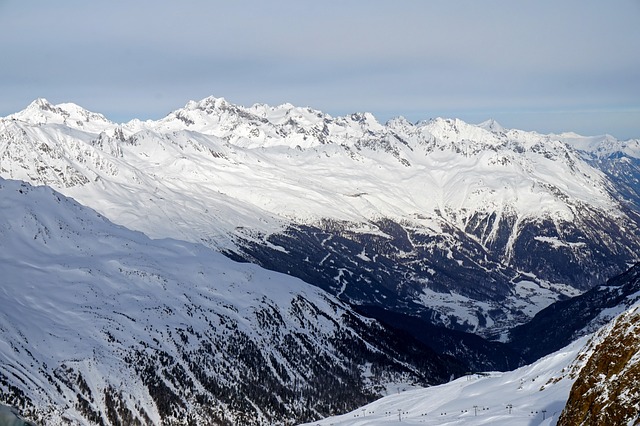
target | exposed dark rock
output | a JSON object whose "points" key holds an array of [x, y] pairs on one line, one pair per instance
{"points": [[607, 389]]}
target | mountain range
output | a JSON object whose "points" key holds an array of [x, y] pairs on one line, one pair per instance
{"points": [[475, 228], [402, 254]]}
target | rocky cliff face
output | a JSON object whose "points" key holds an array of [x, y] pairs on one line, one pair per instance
{"points": [[607, 389]]}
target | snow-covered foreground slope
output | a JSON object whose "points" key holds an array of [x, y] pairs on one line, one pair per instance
{"points": [[531, 395], [593, 380], [102, 325], [473, 227]]}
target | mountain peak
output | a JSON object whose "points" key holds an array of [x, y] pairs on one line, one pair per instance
{"points": [[40, 103], [492, 126], [208, 104], [459, 131], [41, 111], [398, 121]]}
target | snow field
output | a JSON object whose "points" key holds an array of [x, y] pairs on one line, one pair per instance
{"points": [[520, 397]]}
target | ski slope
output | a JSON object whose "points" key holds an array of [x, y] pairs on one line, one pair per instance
{"points": [[534, 394]]}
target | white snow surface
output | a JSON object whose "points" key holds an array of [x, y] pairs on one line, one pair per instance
{"points": [[213, 167], [77, 291], [531, 395], [602, 146], [533, 392]]}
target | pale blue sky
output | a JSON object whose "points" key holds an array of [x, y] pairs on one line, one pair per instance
{"points": [[542, 65]]}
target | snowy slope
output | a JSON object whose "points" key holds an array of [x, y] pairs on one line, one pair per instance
{"points": [[594, 376], [296, 162], [470, 169], [619, 160], [534, 394], [102, 325], [602, 146], [476, 227]]}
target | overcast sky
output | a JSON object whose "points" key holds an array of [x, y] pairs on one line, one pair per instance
{"points": [[544, 65]]}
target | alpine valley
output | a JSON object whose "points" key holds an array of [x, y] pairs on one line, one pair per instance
{"points": [[273, 265]]}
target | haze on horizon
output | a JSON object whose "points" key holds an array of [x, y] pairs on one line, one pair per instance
{"points": [[544, 66]]}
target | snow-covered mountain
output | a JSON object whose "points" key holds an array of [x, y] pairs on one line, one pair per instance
{"points": [[593, 380], [102, 325], [473, 227], [619, 160]]}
